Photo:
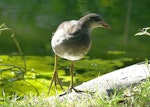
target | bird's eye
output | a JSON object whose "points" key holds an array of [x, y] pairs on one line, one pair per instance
{"points": [[97, 19]]}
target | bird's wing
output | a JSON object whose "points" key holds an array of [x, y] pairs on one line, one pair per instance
{"points": [[70, 27]]}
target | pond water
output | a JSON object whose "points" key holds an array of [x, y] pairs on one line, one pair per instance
{"points": [[35, 79]]}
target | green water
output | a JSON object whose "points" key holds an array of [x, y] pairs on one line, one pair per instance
{"points": [[35, 80]]}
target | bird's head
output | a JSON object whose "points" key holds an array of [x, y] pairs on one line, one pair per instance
{"points": [[93, 20]]}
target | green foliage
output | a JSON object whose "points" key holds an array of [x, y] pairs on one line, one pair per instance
{"points": [[4, 28]]}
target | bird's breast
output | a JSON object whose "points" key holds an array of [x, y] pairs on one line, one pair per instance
{"points": [[71, 47]]}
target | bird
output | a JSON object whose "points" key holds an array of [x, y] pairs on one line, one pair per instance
{"points": [[72, 41]]}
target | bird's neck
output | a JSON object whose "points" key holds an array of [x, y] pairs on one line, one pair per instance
{"points": [[85, 25]]}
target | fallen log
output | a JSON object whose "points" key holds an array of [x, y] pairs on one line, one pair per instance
{"points": [[105, 84]]}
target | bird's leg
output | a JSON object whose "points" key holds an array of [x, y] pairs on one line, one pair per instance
{"points": [[71, 87], [71, 74], [55, 77], [56, 74]]}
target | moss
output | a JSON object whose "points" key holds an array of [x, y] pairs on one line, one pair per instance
{"points": [[39, 72]]}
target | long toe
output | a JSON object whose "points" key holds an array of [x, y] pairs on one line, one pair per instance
{"points": [[78, 91], [60, 83], [81, 91], [55, 80], [69, 90]]}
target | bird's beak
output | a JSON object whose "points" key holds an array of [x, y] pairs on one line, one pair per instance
{"points": [[105, 25]]}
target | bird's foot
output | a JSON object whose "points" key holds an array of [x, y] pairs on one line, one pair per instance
{"points": [[55, 80], [69, 90]]}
